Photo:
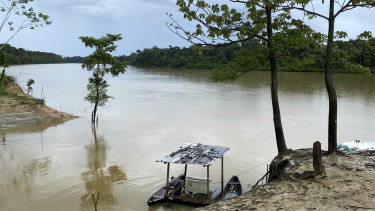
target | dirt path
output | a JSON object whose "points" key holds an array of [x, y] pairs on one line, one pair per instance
{"points": [[18, 109], [349, 185]]}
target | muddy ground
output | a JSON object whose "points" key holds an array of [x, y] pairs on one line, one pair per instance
{"points": [[18, 109], [349, 184]]}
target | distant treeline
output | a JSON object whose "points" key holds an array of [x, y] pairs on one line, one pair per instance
{"points": [[16, 56], [21, 56], [253, 56], [249, 55], [75, 59], [203, 58]]}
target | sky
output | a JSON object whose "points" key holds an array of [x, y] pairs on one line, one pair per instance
{"points": [[142, 24]]}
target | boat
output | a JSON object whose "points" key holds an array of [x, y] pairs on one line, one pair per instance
{"points": [[193, 190], [232, 189], [157, 197]]}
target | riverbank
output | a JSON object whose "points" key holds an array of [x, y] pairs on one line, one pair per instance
{"points": [[349, 184], [18, 109], [212, 67]]}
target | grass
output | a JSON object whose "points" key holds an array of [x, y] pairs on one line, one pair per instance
{"points": [[3, 91], [21, 100]]}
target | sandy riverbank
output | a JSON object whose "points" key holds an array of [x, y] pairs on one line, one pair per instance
{"points": [[349, 184], [18, 109]]}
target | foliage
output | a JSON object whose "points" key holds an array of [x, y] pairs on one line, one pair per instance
{"points": [[3, 83], [351, 56], [75, 59], [29, 85], [3, 60], [25, 17], [101, 62], [97, 91], [203, 58], [224, 74], [16, 56], [3, 91]]}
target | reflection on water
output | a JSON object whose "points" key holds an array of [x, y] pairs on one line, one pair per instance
{"points": [[22, 178], [34, 168], [98, 178], [3, 138]]}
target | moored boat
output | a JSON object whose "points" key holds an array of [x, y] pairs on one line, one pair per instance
{"points": [[191, 190], [157, 197], [232, 189]]}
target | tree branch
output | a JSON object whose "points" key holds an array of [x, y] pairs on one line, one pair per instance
{"points": [[348, 7], [307, 11], [6, 17], [201, 39], [238, 1]]}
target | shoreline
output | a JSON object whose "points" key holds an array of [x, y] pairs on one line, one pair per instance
{"points": [[253, 70], [349, 184], [20, 110]]}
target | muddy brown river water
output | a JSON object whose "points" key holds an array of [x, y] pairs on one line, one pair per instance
{"points": [[58, 167]]}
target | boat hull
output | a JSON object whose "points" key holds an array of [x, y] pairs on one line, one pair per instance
{"points": [[157, 197], [232, 189]]}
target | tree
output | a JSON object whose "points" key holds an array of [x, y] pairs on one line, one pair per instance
{"points": [[18, 15], [101, 62], [266, 21], [344, 5], [29, 85], [25, 17], [366, 49]]}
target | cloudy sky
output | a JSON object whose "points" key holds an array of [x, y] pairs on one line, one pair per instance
{"points": [[141, 22]]}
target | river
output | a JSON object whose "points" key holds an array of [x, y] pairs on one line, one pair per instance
{"points": [[153, 112]]}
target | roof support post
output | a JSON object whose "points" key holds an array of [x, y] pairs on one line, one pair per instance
{"points": [[222, 175], [166, 184], [208, 182], [185, 173]]}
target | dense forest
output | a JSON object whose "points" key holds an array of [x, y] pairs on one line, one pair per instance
{"points": [[250, 55], [16, 56], [350, 56], [75, 59], [205, 58], [21, 56]]}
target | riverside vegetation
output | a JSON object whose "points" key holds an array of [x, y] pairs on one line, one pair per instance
{"points": [[249, 55]]}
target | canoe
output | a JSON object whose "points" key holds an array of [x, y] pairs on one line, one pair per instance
{"points": [[157, 197], [232, 189]]}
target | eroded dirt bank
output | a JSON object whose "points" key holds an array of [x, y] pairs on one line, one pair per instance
{"points": [[18, 109], [349, 184]]}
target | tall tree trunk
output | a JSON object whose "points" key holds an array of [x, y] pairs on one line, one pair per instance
{"points": [[332, 116], [96, 75], [93, 117], [280, 140]]}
